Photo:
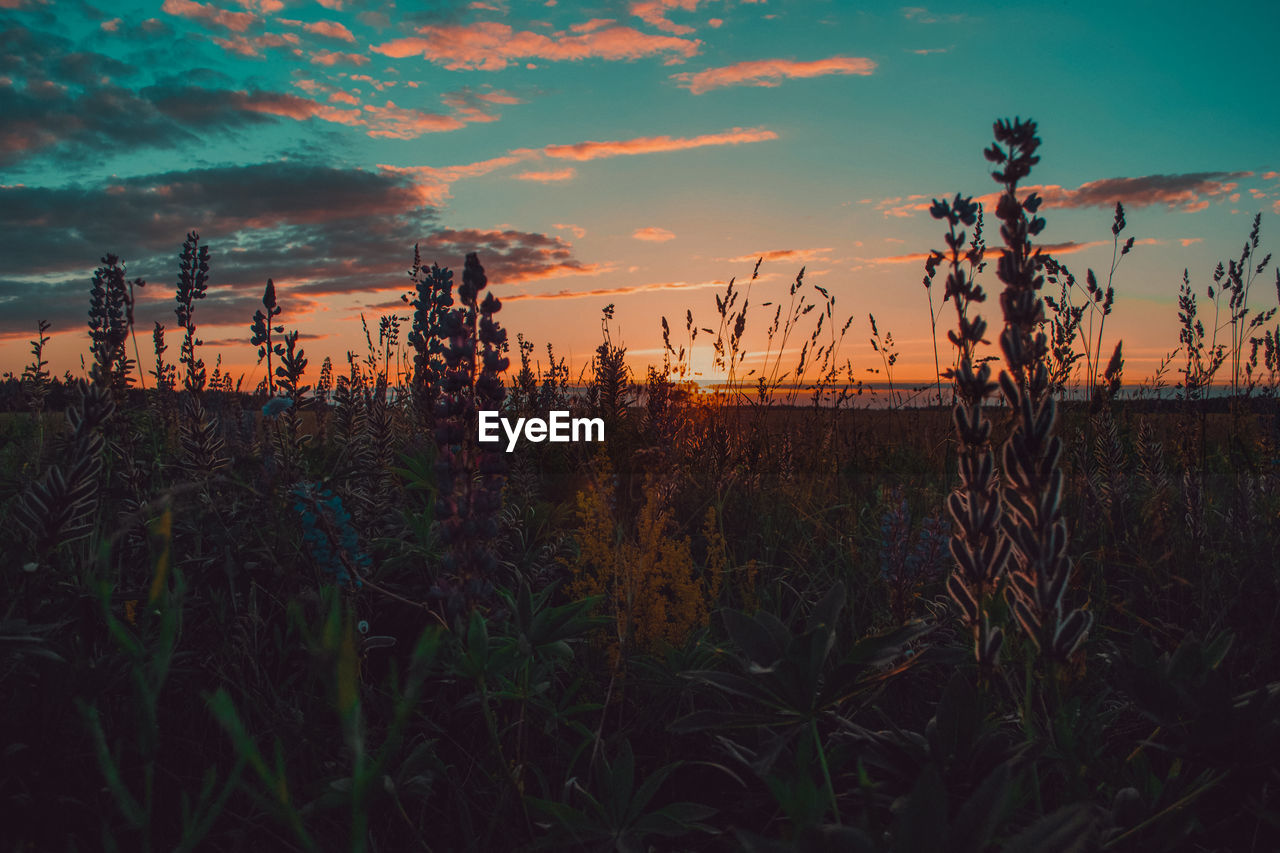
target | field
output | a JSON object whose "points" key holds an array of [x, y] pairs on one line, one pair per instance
{"points": [[1039, 612]]}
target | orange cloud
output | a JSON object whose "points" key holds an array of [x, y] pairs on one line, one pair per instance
{"points": [[654, 13], [771, 72], [237, 22], [576, 230], [478, 106], [387, 121], [593, 24], [331, 29], [549, 176], [254, 46], [491, 46], [266, 7], [994, 252], [623, 290], [392, 122], [330, 58], [781, 255], [433, 184], [653, 235], [902, 206], [581, 151]]}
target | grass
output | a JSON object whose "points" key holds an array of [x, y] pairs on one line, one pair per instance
{"points": [[762, 618]]}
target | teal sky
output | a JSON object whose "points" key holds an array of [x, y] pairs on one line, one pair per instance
{"points": [[638, 153]]}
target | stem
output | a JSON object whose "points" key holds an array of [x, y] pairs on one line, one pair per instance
{"points": [[826, 772]]}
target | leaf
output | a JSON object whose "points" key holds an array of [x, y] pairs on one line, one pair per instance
{"points": [[1070, 829], [982, 812], [753, 635], [922, 822], [826, 611]]}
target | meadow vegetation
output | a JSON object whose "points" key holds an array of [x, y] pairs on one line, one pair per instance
{"points": [[1032, 612]]}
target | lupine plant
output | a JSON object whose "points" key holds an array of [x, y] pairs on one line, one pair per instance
{"points": [[1034, 522], [470, 475]]}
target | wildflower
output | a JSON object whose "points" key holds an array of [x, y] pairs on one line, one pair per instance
{"points": [[275, 406], [327, 531]]}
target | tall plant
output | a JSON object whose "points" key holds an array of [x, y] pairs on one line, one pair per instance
{"points": [[978, 544], [193, 281], [1034, 522], [110, 320], [470, 474]]}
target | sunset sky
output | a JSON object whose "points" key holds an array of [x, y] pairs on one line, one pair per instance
{"points": [[636, 153]]}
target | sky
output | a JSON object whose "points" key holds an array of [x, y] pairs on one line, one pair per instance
{"points": [[639, 153]]}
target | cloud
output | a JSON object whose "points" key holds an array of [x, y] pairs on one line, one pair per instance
{"points": [[993, 252], [653, 234], [771, 72], [609, 292], [75, 124], [582, 151], [548, 176], [1190, 190], [805, 255], [1190, 241], [654, 13], [392, 122], [491, 46], [513, 257], [330, 58], [255, 45], [433, 184], [60, 101], [237, 22], [903, 206], [330, 29], [478, 105], [921, 15], [576, 230], [317, 230]]}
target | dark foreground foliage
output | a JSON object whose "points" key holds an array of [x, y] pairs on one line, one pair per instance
{"points": [[324, 617]]}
